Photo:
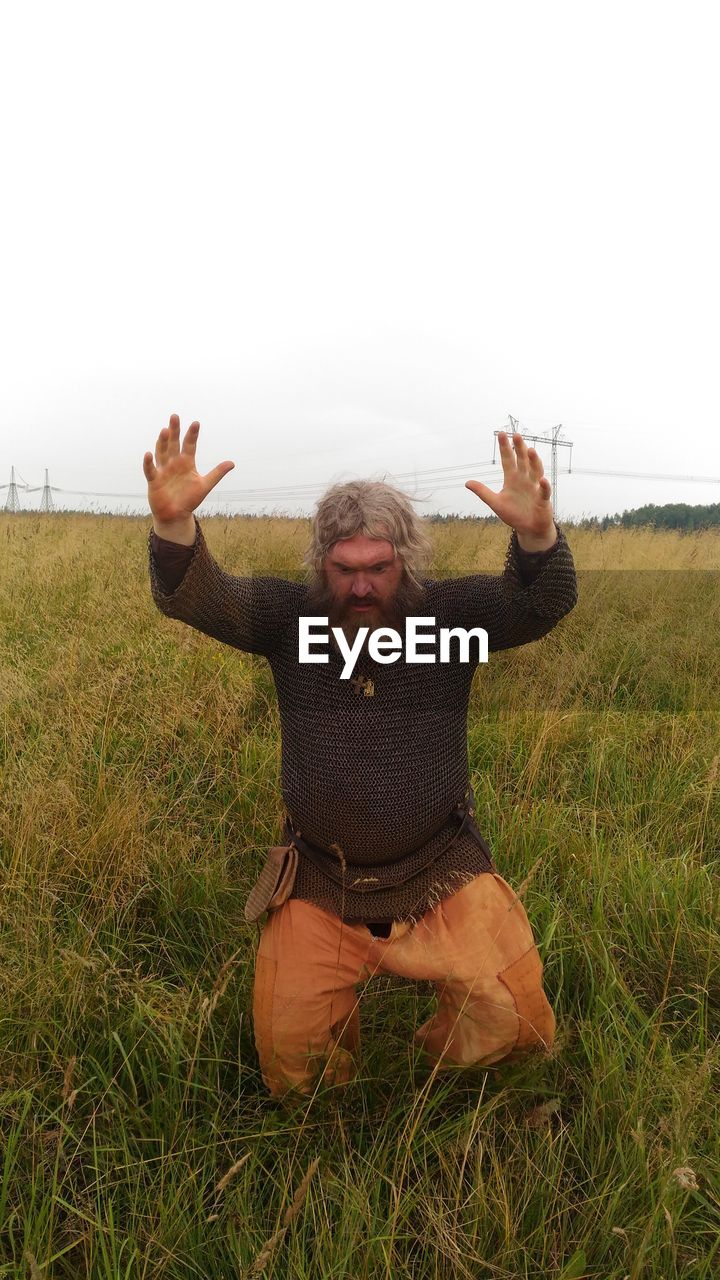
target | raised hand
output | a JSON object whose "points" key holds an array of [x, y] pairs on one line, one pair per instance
{"points": [[524, 500], [175, 487]]}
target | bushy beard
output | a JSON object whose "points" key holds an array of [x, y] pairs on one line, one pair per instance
{"points": [[323, 603]]}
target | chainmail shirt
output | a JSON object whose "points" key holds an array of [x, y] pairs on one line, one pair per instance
{"points": [[370, 774]]}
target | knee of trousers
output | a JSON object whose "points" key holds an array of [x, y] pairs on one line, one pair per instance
{"points": [[295, 1046], [504, 1019], [536, 1020], [535, 1031], [299, 1064], [519, 976], [287, 1080]]}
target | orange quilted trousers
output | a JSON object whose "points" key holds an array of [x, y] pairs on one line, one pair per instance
{"points": [[476, 946]]}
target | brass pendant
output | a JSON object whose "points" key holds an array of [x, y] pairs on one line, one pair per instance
{"points": [[363, 684]]}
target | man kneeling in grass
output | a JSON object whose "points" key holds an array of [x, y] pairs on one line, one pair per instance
{"points": [[383, 869]]}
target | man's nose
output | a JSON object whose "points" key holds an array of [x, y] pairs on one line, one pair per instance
{"points": [[361, 587]]}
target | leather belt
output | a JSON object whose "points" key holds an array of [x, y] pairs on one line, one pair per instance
{"points": [[358, 877]]}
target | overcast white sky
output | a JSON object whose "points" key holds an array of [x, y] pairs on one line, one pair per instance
{"points": [[351, 239]]}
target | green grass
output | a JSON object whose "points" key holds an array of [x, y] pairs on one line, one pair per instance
{"points": [[139, 787]]}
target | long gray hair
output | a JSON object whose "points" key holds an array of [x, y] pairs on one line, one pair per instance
{"points": [[377, 510]]}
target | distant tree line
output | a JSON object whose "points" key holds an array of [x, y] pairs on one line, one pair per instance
{"points": [[672, 515], [451, 517]]}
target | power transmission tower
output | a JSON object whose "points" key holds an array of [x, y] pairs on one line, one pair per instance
{"points": [[46, 502], [554, 441], [553, 459], [12, 502]]}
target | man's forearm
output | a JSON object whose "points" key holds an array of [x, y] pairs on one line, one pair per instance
{"points": [[250, 612], [531, 563], [536, 589], [181, 531], [539, 542], [171, 561]]}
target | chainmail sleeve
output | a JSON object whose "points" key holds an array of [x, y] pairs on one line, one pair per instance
{"points": [[512, 609], [251, 613]]}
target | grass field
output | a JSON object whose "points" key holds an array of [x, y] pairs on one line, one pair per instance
{"points": [[139, 776]]}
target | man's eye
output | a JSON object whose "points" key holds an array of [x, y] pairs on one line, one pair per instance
{"points": [[380, 569]]}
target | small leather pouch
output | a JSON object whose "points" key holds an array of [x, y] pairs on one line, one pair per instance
{"points": [[274, 884]]}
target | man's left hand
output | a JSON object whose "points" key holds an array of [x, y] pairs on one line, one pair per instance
{"points": [[524, 500]]}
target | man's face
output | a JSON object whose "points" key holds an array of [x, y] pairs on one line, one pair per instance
{"points": [[364, 584], [363, 575]]}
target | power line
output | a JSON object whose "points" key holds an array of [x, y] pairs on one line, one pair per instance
{"points": [[646, 475], [437, 479], [628, 475], [444, 482], [299, 490]]}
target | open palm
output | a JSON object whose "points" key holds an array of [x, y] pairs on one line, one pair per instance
{"points": [[175, 486], [524, 500]]}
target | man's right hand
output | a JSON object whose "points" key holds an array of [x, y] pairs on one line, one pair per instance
{"points": [[175, 487]]}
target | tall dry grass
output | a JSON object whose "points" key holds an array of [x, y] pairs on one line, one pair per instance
{"points": [[139, 787]]}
